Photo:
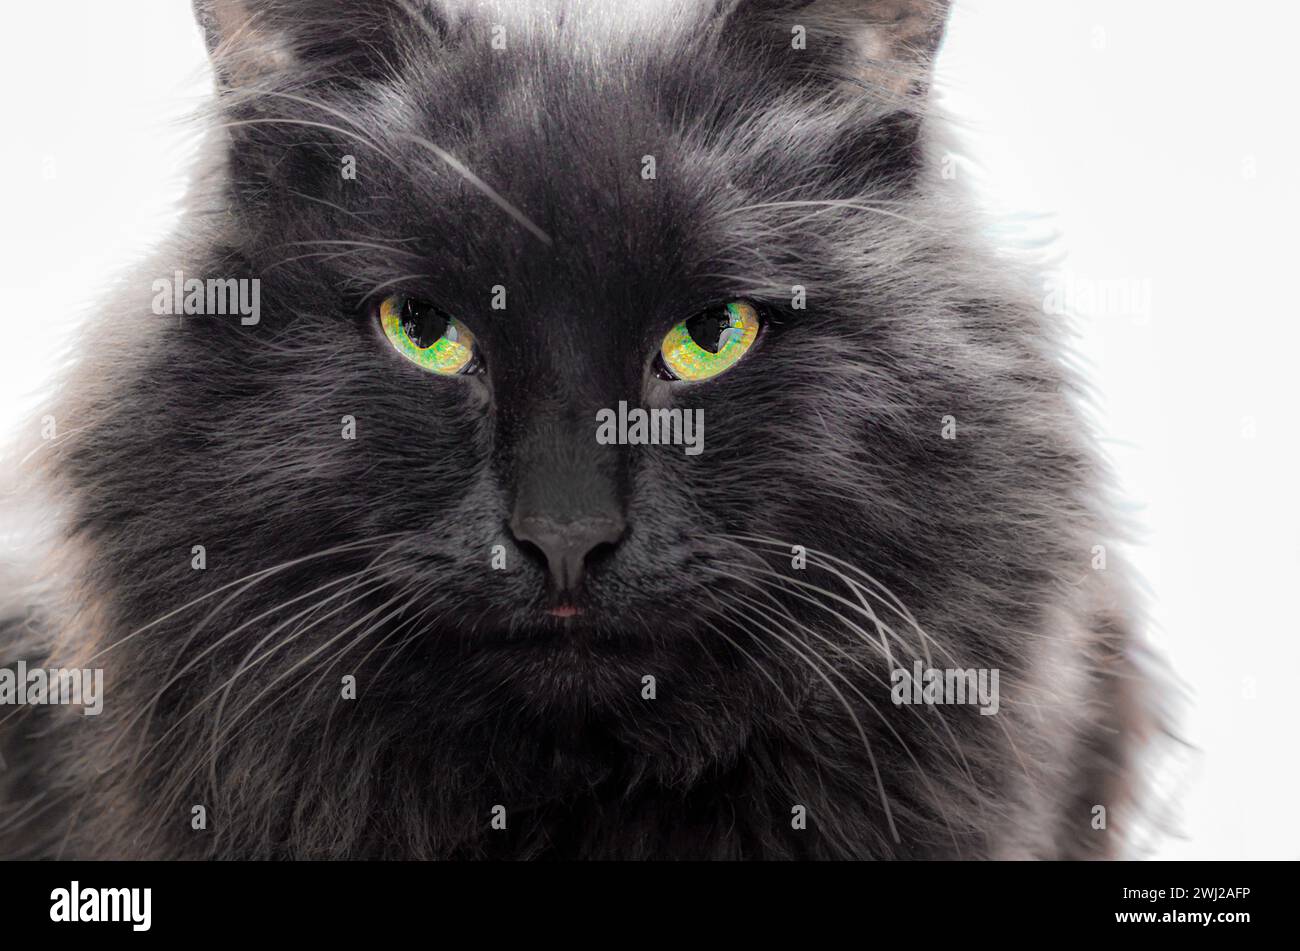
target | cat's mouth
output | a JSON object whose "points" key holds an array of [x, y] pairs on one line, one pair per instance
{"points": [[564, 610]]}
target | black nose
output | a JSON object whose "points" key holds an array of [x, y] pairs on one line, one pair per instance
{"points": [[567, 545]]}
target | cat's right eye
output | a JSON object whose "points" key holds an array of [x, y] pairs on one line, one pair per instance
{"points": [[428, 336]]}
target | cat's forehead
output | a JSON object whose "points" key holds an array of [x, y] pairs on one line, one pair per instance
{"points": [[584, 195], [599, 21]]}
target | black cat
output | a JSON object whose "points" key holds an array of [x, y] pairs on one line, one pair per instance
{"points": [[326, 504]]}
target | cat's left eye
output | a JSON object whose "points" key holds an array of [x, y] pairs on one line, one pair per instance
{"points": [[428, 336], [709, 343]]}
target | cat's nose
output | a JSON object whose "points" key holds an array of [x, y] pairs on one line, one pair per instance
{"points": [[568, 545]]}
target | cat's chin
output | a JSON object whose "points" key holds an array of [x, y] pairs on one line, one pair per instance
{"points": [[570, 643], [589, 701], [576, 660]]}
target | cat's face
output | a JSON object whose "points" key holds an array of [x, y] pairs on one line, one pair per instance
{"points": [[512, 190]]}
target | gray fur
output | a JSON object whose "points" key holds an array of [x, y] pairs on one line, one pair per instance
{"points": [[775, 168]]}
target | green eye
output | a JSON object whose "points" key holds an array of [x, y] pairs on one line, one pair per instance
{"points": [[427, 336], [710, 342]]}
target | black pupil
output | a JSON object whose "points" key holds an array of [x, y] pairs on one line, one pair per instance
{"points": [[707, 329], [423, 323]]}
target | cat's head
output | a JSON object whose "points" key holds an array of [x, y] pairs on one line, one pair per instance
{"points": [[474, 226]]}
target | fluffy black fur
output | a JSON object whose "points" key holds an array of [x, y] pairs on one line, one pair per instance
{"points": [[327, 557]]}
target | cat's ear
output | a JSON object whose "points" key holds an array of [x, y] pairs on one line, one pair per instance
{"points": [[885, 47], [243, 40], [250, 40]]}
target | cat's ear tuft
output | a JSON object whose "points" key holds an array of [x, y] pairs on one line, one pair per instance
{"points": [[882, 46]]}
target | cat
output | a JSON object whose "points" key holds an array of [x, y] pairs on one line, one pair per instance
{"points": [[363, 582]]}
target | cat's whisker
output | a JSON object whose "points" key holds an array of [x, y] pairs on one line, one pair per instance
{"points": [[280, 120], [373, 243], [309, 691], [319, 256], [947, 653], [54, 443], [796, 711], [368, 245], [339, 208], [883, 630], [148, 709], [241, 671], [959, 757], [831, 204], [414, 622], [14, 819], [393, 282], [898, 606], [446, 157], [487, 190], [248, 581], [322, 256], [809, 599], [258, 577], [840, 600], [891, 600], [250, 93], [174, 676], [218, 738], [421, 617], [794, 708], [252, 578], [848, 708]]}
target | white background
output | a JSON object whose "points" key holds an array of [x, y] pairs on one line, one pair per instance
{"points": [[1157, 139]]}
